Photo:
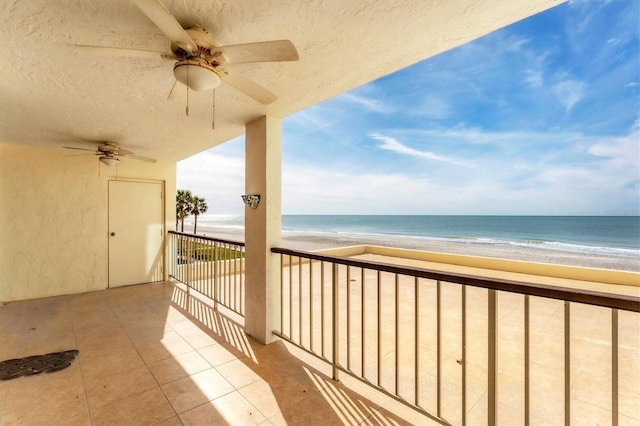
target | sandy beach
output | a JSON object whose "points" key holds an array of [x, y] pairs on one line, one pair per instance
{"points": [[315, 241]]}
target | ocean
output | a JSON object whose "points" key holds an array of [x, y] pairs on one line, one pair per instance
{"points": [[612, 235]]}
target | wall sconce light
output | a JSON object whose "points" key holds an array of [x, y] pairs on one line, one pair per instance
{"points": [[251, 201]]}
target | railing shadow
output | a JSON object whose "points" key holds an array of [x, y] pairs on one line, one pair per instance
{"points": [[304, 393]]}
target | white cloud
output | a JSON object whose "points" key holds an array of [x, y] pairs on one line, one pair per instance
{"points": [[569, 93], [370, 104], [621, 155], [393, 145], [514, 43], [533, 78], [434, 108], [217, 178]]}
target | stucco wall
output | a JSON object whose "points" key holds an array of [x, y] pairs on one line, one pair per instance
{"points": [[54, 218]]}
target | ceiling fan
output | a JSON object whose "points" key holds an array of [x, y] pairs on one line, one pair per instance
{"points": [[200, 61], [110, 153]]}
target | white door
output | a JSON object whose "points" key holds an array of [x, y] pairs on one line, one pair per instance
{"points": [[136, 232]]}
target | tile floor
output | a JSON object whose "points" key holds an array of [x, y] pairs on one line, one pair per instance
{"points": [[155, 354]]}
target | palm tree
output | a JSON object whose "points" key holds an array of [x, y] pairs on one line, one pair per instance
{"points": [[198, 207], [184, 205]]}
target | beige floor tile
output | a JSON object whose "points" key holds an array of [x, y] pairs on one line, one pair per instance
{"points": [[4, 389], [583, 413], [231, 409], [105, 389], [238, 373], [156, 349], [148, 407], [177, 367], [205, 414], [190, 331], [104, 360], [260, 395], [190, 392], [172, 421], [55, 398], [313, 410], [218, 354]]}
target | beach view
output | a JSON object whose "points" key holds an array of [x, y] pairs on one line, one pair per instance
{"points": [[610, 242], [320, 213]]}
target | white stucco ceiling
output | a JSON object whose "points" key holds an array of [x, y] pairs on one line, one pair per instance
{"points": [[50, 95]]}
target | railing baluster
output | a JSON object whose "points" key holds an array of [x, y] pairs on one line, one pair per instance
{"points": [[311, 305], [216, 266], [379, 331], [567, 363], [438, 348], [335, 325], [527, 347], [416, 340], [188, 264], [363, 330], [281, 294], [322, 328], [300, 299], [227, 275], [290, 296], [492, 342], [614, 367], [348, 318], [464, 355], [235, 278], [243, 280], [397, 332]]}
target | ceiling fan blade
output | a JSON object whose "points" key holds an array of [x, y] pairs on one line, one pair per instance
{"points": [[167, 23], [248, 87], [121, 51], [263, 51], [140, 158], [81, 149], [123, 152]]}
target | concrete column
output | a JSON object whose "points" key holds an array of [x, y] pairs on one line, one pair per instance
{"points": [[262, 227]]}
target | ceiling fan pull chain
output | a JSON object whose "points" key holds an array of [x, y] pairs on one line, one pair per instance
{"points": [[187, 110]]}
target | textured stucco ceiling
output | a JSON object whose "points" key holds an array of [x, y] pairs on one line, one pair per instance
{"points": [[51, 95]]}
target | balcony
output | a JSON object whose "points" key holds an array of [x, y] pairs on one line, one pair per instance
{"points": [[160, 354], [407, 345]]}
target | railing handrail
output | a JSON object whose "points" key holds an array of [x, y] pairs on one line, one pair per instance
{"points": [[589, 297], [204, 237]]}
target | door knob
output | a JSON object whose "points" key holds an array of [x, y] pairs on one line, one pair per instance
{"points": [[113, 234]]}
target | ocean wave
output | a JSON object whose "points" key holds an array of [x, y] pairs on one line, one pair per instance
{"points": [[537, 244], [577, 248]]}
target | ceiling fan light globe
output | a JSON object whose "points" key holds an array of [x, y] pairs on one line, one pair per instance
{"points": [[196, 76], [109, 161]]}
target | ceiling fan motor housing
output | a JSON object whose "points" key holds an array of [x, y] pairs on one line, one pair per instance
{"points": [[196, 74], [197, 69]]}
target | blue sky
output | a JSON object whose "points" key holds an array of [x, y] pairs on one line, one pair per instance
{"points": [[541, 117]]}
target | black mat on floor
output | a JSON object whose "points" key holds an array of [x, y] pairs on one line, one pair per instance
{"points": [[55, 361]]}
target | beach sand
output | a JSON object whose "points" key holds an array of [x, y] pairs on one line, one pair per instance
{"points": [[313, 241]]}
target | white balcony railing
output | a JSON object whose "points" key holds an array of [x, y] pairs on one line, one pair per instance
{"points": [[463, 349], [214, 267], [460, 349]]}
